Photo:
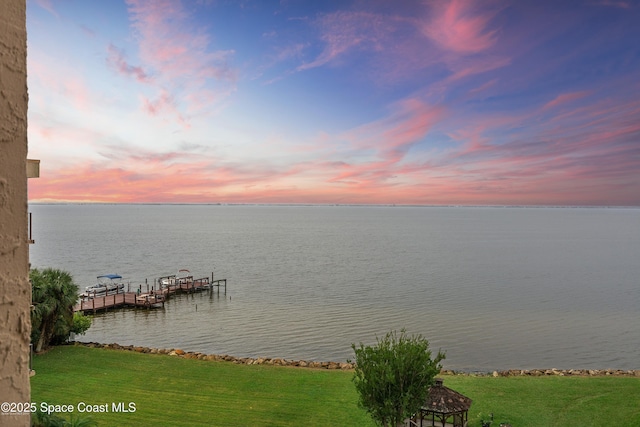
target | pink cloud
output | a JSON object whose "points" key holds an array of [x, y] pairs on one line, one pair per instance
{"points": [[587, 156], [164, 103], [172, 177], [461, 67], [387, 141], [565, 98], [410, 120], [168, 43], [538, 162], [483, 87], [396, 47], [48, 6], [117, 60], [344, 31], [395, 44], [410, 124], [459, 26], [179, 56]]}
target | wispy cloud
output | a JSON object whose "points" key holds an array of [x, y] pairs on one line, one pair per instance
{"points": [[164, 103], [48, 6], [116, 58], [171, 177], [564, 98], [385, 144], [279, 56], [180, 58], [566, 156], [460, 35], [345, 31], [462, 67], [461, 26], [169, 43]]}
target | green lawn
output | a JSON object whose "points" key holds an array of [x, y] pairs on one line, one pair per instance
{"points": [[169, 390], [552, 400]]}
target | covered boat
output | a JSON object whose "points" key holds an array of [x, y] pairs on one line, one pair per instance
{"points": [[108, 284]]}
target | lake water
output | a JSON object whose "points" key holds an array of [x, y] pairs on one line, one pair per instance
{"points": [[496, 288]]}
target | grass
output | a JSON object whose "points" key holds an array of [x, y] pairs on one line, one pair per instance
{"points": [[173, 391], [169, 390], [552, 400]]}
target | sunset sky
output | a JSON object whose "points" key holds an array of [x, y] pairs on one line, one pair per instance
{"points": [[341, 102]]}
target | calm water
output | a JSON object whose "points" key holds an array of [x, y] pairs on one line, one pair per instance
{"points": [[495, 288]]}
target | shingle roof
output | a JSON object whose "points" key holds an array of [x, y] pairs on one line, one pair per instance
{"points": [[446, 401]]}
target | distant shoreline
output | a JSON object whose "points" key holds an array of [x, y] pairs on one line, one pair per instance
{"points": [[381, 205], [347, 366]]}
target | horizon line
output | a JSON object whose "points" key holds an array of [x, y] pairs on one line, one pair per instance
{"points": [[292, 204]]}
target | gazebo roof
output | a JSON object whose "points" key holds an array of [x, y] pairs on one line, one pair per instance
{"points": [[443, 400]]}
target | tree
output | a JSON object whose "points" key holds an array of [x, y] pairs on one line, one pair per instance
{"points": [[53, 294], [393, 377], [80, 323]]}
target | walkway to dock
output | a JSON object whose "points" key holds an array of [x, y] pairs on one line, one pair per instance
{"points": [[150, 297]]}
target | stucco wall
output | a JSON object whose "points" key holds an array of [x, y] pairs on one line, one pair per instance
{"points": [[15, 291]]}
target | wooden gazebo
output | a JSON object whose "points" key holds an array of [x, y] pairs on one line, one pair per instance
{"points": [[443, 408]]}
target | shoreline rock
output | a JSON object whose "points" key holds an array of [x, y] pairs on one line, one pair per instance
{"points": [[346, 366]]}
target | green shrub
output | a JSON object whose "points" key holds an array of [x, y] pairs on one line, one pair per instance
{"points": [[393, 377]]}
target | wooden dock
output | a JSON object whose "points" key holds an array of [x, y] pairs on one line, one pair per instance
{"points": [[150, 297]]}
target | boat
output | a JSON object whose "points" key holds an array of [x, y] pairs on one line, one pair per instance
{"points": [[183, 276], [108, 284]]}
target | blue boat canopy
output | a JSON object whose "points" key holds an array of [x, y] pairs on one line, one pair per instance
{"points": [[110, 276]]}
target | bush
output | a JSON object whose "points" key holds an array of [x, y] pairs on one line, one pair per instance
{"points": [[81, 323], [393, 377]]}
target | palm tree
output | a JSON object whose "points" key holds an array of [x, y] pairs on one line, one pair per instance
{"points": [[54, 294]]}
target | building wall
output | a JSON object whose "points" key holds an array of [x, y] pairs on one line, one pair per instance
{"points": [[15, 290]]}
